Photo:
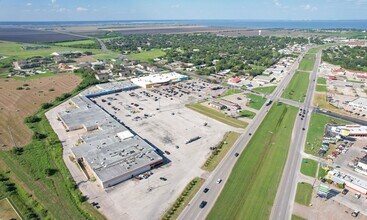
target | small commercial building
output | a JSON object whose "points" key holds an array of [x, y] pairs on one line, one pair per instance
{"points": [[350, 130], [349, 181], [362, 166], [264, 79], [158, 79]]}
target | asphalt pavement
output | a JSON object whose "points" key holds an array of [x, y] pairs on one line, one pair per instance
{"points": [[223, 170]]}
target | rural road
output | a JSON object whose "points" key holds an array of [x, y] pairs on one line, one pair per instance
{"points": [[193, 211], [283, 204]]}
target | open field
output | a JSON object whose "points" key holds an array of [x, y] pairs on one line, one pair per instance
{"points": [[307, 62], [295, 217], [7, 211], [15, 51], [321, 80], [322, 172], [77, 42], [15, 104], [247, 114], [304, 193], [316, 132], [232, 92], [321, 88], [217, 115], [190, 190], [297, 88], [309, 167], [256, 101], [147, 56], [250, 190], [265, 90], [24, 35], [214, 159]]}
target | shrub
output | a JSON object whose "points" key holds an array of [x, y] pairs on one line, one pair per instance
{"points": [[20, 88], [46, 105], [32, 119], [51, 90], [39, 136], [17, 150]]}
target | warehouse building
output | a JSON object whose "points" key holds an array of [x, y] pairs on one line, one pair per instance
{"points": [[158, 79], [109, 152]]}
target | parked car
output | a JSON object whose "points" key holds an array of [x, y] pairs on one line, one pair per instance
{"points": [[163, 178], [203, 204], [219, 181], [205, 190], [236, 154], [167, 152], [355, 213], [345, 191]]}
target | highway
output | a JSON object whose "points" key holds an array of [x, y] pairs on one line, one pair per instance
{"points": [[223, 170], [283, 204]]}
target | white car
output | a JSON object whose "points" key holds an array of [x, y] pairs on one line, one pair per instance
{"points": [[219, 181]]}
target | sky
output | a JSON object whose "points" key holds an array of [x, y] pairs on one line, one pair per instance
{"points": [[93, 10]]}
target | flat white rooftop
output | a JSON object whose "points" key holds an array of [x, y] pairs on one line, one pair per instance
{"points": [[158, 79]]}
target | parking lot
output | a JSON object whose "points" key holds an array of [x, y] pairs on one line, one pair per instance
{"points": [[159, 116]]}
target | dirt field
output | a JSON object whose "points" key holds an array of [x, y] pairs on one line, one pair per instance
{"points": [[7, 211], [15, 105]]}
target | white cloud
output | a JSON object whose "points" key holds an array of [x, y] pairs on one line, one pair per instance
{"points": [[277, 3], [80, 9], [175, 6], [29, 4], [309, 7], [53, 1]]}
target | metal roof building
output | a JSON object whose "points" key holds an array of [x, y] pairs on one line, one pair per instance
{"points": [[110, 152]]}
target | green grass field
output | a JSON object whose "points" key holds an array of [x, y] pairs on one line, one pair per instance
{"points": [[250, 190], [322, 172], [304, 193], [265, 90], [75, 43], [309, 167], [214, 159], [321, 80], [247, 114], [256, 101], [295, 217], [297, 88], [15, 51], [147, 56], [307, 62], [321, 88], [316, 132], [219, 116], [232, 92]]}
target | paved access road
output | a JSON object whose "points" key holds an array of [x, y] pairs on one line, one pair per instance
{"points": [[193, 211], [283, 205]]}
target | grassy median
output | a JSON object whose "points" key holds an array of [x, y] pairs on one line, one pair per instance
{"points": [[217, 115], [307, 62], [297, 88], [251, 188]]}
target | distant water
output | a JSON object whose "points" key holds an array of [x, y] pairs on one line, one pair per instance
{"points": [[287, 24]]}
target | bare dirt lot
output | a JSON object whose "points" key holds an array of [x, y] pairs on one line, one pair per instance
{"points": [[7, 211], [16, 105]]}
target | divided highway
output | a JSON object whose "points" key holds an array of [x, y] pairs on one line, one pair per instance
{"points": [[193, 211], [283, 204]]}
